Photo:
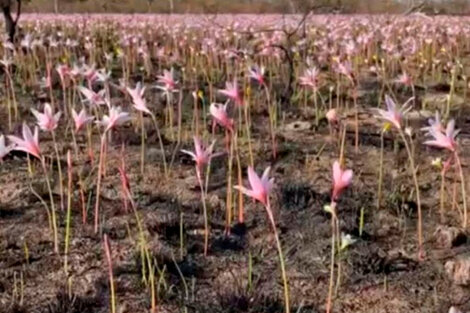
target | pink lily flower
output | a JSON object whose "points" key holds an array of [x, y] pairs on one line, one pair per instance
{"points": [[202, 154], [257, 73], [103, 76], [434, 124], [231, 91], [93, 98], [310, 78], [444, 140], [115, 118], [9, 45], [63, 70], [90, 74], [332, 116], [168, 80], [6, 61], [341, 180], [260, 187], [75, 72], [26, 42], [346, 70], [393, 114], [47, 121], [404, 79], [81, 119], [220, 115], [137, 95], [29, 143], [4, 150]]}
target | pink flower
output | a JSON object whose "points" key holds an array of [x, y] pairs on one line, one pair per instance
{"points": [[64, 72], [434, 124], [75, 72], [47, 121], [346, 70], [90, 73], [137, 95], [219, 113], [310, 78], [332, 116], [257, 73], [404, 79], [260, 187], [115, 118], [350, 48], [393, 114], [93, 98], [29, 143], [341, 180], [231, 91], [26, 42], [103, 76], [6, 61], [443, 140], [81, 119], [201, 155], [168, 80]]}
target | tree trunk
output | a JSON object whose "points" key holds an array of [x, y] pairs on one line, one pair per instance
{"points": [[56, 6], [10, 23], [292, 7]]}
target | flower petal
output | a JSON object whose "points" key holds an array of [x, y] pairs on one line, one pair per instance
{"points": [[391, 105], [255, 181], [336, 172], [450, 128], [246, 191], [27, 135], [189, 153], [346, 178]]}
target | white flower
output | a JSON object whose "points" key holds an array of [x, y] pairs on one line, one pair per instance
{"points": [[346, 241]]}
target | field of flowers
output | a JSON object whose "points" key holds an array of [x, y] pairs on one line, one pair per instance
{"points": [[235, 163]]}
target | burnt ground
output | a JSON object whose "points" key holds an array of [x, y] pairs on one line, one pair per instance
{"points": [[379, 273]]}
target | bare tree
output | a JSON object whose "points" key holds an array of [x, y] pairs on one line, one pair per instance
{"points": [[149, 6], [292, 7], [415, 7], [10, 23]]}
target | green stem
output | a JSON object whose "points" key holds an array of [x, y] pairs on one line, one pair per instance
{"points": [[418, 198], [69, 213], [98, 184], [107, 250], [61, 186], [332, 263], [142, 152], [464, 193], [281, 258], [51, 197], [379, 188], [204, 206], [442, 195], [160, 142]]}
